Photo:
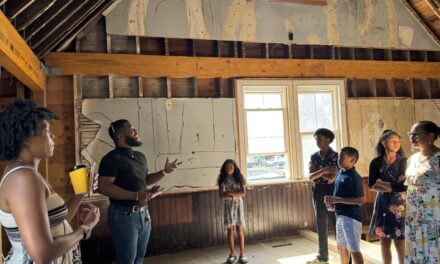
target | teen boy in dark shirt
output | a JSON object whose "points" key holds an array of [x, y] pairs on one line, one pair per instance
{"points": [[323, 169], [347, 198]]}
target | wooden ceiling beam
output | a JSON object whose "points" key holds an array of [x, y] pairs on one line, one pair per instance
{"points": [[203, 67], [31, 13], [18, 58], [85, 14], [15, 7], [45, 18]]}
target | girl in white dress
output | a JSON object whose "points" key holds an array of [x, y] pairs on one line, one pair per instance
{"points": [[231, 186]]}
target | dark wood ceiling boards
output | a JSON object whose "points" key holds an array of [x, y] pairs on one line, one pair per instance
{"points": [[47, 24], [428, 11]]}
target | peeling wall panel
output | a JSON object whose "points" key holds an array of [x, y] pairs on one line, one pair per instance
{"points": [[199, 132], [369, 23]]}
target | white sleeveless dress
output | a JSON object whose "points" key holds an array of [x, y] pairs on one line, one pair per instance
{"points": [[57, 211]]}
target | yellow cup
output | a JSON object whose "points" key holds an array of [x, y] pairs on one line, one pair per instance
{"points": [[80, 178]]}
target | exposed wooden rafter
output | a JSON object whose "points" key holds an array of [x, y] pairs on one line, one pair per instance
{"points": [[15, 7], [45, 18], [18, 58], [73, 26], [32, 12], [177, 66], [56, 22], [428, 14]]}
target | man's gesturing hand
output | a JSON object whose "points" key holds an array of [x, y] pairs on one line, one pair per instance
{"points": [[170, 167]]}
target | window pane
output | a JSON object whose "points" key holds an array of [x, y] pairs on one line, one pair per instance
{"points": [[265, 131], [308, 148], [266, 167], [262, 100], [315, 111]]}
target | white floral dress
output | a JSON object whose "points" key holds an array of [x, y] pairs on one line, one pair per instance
{"points": [[233, 209], [422, 225]]}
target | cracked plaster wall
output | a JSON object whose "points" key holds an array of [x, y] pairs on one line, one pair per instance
{"points": [[369, 23], [198, 132]]}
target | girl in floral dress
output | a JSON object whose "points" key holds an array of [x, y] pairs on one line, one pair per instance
{"points": [[422, 225], [386, 177], [231, 188]]}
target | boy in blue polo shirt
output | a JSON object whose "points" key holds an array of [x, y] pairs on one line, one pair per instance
{"points": [[347, 199]]}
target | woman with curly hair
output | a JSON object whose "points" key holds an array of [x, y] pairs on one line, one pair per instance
{"points": [[231, 188], [33, 216], [386, 177]]}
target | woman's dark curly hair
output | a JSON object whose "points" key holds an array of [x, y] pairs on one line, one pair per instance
{"points": [[224, 174], [19, 122], [380, 149]]}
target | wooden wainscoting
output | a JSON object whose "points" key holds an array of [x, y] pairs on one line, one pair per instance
{"points": [[195, 220]]}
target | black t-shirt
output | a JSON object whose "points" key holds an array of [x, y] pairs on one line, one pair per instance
{"points": [[130, 169], [348, 184]]}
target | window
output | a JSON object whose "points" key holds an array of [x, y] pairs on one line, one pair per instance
{"points": [[277, 119]]}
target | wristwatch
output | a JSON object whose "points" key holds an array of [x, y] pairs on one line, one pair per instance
{"points": [[164, 173], [87, 231]]}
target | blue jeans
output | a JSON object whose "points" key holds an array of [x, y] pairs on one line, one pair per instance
{"points": [[130, 233]]}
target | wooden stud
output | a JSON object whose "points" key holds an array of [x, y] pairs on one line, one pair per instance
{"points": [[266, 45], [138, 45], [77, 86], [110, 87], [196, 88], [141, 87], [219, 87], [388, 55], [77, 44], [109, 43], [372, 87], [219, 48], [391, 91], [20, 90], [427, 88], [166, 48], [169, 87]]}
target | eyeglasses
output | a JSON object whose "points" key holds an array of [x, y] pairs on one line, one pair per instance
{"points": [[415, 134]]}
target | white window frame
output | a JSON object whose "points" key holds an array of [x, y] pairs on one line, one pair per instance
{"points": [[292, 136]]}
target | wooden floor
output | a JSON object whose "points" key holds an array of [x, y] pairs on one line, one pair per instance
{"points": [[288, 250]]}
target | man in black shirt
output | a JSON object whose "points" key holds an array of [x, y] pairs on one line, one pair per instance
{"points": [[124, 177]]}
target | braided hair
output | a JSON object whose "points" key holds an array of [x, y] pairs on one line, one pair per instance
{"points": [[19, 122]]}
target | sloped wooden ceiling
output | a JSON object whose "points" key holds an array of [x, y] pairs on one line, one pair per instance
{"points": [[47, 24], [429, 12]]}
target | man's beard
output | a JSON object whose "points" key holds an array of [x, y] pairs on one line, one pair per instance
{"points": [[132, 142]]}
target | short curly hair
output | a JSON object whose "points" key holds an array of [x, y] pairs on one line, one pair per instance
{"points": [[325, 132], [19, 122]]}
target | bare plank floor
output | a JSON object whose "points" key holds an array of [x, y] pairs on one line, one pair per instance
{"points": [[288, 250]]}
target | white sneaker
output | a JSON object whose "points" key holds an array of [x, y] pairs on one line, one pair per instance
{"points": [[316, 261], [231, 259], [243, 259]]}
